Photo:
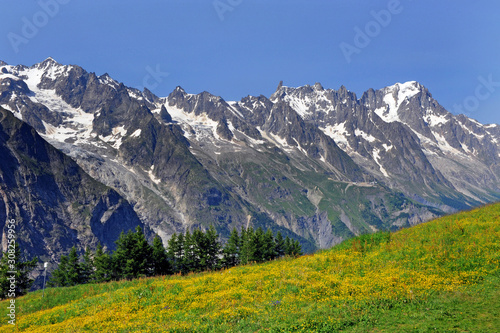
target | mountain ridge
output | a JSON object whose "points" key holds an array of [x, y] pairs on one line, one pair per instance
{"points": [[318, 164]]}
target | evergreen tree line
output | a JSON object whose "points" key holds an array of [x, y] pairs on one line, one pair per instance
{"points": [[186, 252]]}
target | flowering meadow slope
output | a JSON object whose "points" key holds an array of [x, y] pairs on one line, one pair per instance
{"points": [[441, 275]]}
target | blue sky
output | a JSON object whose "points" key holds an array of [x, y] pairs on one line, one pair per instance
{"points": [[235, 48]]}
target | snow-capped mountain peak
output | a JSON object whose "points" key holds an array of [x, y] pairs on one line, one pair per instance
{"points": [[394, 96], [397, 132]]}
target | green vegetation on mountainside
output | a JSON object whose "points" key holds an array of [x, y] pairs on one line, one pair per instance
{"points": [[443, 276]]}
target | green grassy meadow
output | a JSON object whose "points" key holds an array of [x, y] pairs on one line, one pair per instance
{"points": [[440, 276]]}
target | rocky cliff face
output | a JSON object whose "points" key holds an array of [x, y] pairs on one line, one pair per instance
{"points": [[404, 138], [315, 163], [56, 205]]}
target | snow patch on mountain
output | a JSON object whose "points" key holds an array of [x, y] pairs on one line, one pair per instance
{"points": [[115, 139], [235, 111], [16, 113], [301, 106], [444, 145], [77, 125], [107, 80], [338, 133], [367, 137], [136, 133], [388, 114], [435, 120], [376, 158], [395, 95], [203, 126], [405, 90], [387, 147], [8, 76]]}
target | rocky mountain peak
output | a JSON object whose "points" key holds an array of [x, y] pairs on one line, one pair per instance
{"points": [[280, 93], [343, 92], [402, 91], [179, 89], [170, 157], [177, 93], [105, 76], [409, 85], [49, 62]]}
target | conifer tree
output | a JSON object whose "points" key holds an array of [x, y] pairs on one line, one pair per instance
{"points": [[73, 271], [143, 253], [295, 248], [288, 246], [161, 265], [175, 252], [59, 275], [213, 248], [132, 257], [124, 265], [247, 245], [258, 245], [243, 246], [102, 266], [200, 243], [68, 272], [172, 252], [279, 245], [189, 261], [269, 246], [86, 267], [231, 252]]}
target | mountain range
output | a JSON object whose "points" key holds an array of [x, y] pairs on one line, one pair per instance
{"points": [[85, 157]]}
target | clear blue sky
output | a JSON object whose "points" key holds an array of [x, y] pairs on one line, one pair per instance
{"points": [[246, 47]]}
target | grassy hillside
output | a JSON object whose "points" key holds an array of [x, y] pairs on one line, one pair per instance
{"points": [[442, 276]]}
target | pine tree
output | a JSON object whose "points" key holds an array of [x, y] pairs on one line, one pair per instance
{"points": [[243, 247], [259, 246], [189, 261], [132, 257], [296, 249], [59, 275], [200, 243], [102, 266], [279, 245], [73, 272], [213, 248], [172, 251], [269, 246], [161, 265], [86, 267], [142, 253], [12, 262], [288, 246], [231, 252], [176, 252], [124, 265], [69, 271], [247, 245]]}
